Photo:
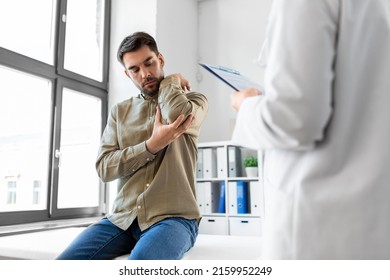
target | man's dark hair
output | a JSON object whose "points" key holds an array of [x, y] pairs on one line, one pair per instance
{"points": [[134, 42]]}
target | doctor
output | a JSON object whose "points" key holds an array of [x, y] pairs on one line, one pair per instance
{"points": [[324, 124]]}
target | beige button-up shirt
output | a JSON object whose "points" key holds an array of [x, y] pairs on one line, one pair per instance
{"points": [[151, 187]]}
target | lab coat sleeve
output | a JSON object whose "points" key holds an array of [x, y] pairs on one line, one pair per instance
{"points": [[297, 105]]}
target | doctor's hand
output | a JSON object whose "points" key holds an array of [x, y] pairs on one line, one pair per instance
{"points": [[239, 96], [164, 134]]}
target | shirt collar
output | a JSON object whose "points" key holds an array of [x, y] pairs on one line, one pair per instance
{"points": [[147, 97]]}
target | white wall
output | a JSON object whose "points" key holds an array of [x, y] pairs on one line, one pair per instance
{"points": [[222, 32], [177, 29], [231, 35], [127, 17]]}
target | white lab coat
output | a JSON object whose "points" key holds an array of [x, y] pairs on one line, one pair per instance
{"points": [[324, 124]]}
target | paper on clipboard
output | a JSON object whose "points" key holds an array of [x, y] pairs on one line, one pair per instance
{"points": [[231, 77]]}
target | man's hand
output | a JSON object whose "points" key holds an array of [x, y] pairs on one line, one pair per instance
{"points": [[185, 84], [238, 97], [164, 134]]}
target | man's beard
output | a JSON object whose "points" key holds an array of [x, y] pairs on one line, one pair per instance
{"points": [[152, 90]]}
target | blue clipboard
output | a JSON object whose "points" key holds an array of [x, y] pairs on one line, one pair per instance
{"points": [[231, 77]]}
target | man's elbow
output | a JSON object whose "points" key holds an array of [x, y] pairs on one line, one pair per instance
{"points": [[101, 172], [174, 113]]}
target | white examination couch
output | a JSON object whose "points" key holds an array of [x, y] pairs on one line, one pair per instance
{"points": [[46, 245]]}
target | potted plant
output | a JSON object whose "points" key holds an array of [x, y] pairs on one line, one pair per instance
{"points": [[251, 166]]}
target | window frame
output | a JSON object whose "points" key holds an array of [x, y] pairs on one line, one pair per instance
{"points": [[86, 89], [59, 78], [61, 47]]}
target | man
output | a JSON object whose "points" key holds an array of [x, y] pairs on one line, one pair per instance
{"points": [[324, 123], [150, 146]]}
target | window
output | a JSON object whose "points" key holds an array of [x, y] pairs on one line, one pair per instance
{"points": [[36, 192], [25, 116], [11, 193], [28, 27], [84, 38], [53, 107], [80, 135]]}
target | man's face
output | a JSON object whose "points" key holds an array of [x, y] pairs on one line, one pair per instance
{"points": [[145, 69]]}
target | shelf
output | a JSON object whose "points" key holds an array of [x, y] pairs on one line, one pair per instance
{"points": [[227, 179], [219, 171], [210, 180], [244, 216], [243, 179], [214, 215]]}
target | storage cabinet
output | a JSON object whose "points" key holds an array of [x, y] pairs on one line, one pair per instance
{"points": [[230, 202], [244, 226], [213, 225]]}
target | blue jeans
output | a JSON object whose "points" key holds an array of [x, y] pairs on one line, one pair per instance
{"points": [[168, 239]]}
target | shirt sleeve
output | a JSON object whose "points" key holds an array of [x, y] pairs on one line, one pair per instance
{"points": [[112, 162], [299, 76], [174, 102]]}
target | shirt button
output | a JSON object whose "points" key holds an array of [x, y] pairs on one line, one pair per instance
{"points": [[147, 185], [139, 206]]}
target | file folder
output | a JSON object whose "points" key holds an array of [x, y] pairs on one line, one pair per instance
{"points": [[208, 192], [215, 196], [200, 197], [209, 163], [255, 198], [199, 164], [232, 200], [242, 197], [222, 197], [234, 156], [221, 163]]}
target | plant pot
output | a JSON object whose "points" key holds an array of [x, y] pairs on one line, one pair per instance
{"points": [[251, 171]]}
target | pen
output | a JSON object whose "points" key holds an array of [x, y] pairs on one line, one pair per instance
{"points": [[227, 70]]}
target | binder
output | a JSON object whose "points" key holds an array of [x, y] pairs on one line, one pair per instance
{"points": [[232, 200], [215, 197], [255, 198], [199, 164], [221, 163], [222, 197], [242, 197], [234, 157], [208, 192], [200, 197], [209, 163]]}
